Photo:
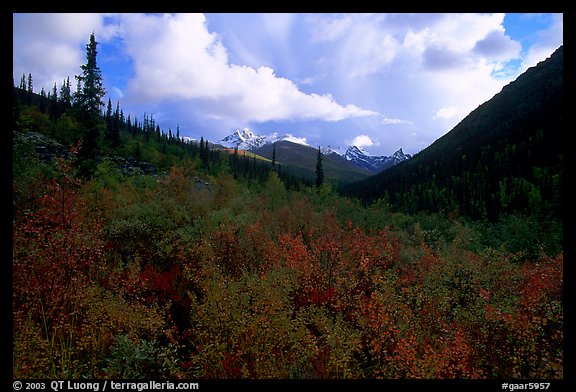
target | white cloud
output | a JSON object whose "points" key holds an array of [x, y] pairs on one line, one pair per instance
{"points": [[327, 27], [364, 47], [498, 46], [435, 59], [446, 112], [363, 141], [395, 121], [176, 57]]}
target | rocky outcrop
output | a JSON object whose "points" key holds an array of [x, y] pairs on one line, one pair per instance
{"points": [[48, 149], [130, 166]]}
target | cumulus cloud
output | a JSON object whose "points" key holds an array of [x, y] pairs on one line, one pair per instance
{"points": [[446, 58], [438, 58], [498, 46], [176, 57], [363, 141]]}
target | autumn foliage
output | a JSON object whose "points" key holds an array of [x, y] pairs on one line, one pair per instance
{"points": [[143, 276]]}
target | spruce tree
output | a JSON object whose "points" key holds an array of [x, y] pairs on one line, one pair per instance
{"points": [[89, 96], [88, 101], [53, 110], [30, 89], [319, 169], [23, 82], [65, 95], [108, 120], [116, 126]]}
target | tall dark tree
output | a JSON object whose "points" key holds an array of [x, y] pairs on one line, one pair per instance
{"points": [[108, 119], [91, 91], [30, 89], [65, 95], [43, 100], [53, 108], [88, 101], [116, 126], [319, 169], [274, 156], [23, 82]]}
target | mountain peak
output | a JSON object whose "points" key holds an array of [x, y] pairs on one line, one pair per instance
{"points": [[245, 133], [353, 150], [400, 156], [374, 164], [245, 139]]}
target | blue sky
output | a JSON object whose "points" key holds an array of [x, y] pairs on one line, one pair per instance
{"points": [[379, 81]]}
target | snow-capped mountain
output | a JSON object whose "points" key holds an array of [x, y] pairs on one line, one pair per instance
{"points": [[188, 139], [369, 163], [245, 139], [327, 150]]}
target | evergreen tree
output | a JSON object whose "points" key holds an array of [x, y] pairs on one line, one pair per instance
{"points": [[204, 152], [88, 101], [129, 127], [90, 94], [319, 169], [30, 89], [116, 126], [30, 86], [65, 95], [53, 110], [108, 120], [274, 156], [55, 92], [23, 82], [42, 100]]}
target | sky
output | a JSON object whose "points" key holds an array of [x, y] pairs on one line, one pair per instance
{"points": [[378, 81]]}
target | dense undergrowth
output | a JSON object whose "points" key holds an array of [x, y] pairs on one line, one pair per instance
{"points": [[167, 277]]}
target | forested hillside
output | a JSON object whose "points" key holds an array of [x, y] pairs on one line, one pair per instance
{"points": [[506, 156], [302, 161], [138, 256]]}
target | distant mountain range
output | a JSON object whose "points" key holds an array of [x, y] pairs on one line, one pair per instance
{"points": [[245, 139]]}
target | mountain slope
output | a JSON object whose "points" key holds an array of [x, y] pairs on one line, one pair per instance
{"points": [[505, 156], [301, 161]]}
